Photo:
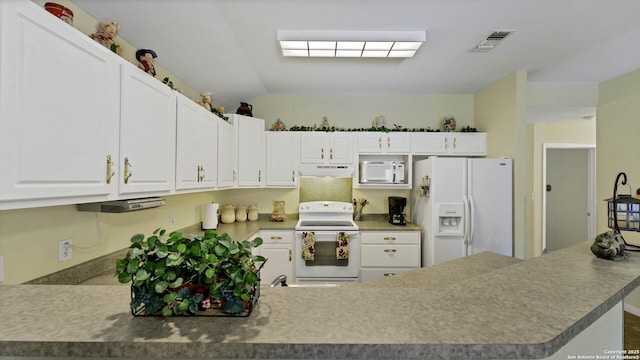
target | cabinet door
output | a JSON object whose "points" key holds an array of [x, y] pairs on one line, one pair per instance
{"points": [[196, 146], [469, 144], [278, 263], [430, 143], [59, 110], [341, 148], [282, 158], [226, 155], [370, 142], [147, 133], [312, 148], [397, 143], [278, 249], [250, 149]]}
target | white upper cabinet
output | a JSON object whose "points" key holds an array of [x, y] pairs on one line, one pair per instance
{"points": [[59, 111], [147, 134], [317, 147], [250, 147], [384, 143], [226, 155], [442, 143], [283, 158], [196, 146]]}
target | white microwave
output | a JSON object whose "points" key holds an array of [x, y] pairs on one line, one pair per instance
{"points": [[382, 172]]}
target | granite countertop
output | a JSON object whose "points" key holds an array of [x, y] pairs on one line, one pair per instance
{"points": [[482, 306]]}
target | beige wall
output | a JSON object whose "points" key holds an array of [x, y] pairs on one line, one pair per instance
{"points": [[576, 132], [500, 109], [359, 110], [618, 131]]}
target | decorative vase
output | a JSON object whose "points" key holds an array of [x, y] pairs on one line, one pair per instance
{"points": [[245, 109]]}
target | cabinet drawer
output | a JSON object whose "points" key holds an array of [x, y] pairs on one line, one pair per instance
{"points": [[390, 255], [277, 237], [374, 274], [396, 237]]}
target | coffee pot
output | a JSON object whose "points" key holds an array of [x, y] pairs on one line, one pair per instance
{"points": [[396, 210], [245, 109]]}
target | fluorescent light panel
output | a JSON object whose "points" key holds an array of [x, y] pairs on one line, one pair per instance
{"points": [[306, 43]]}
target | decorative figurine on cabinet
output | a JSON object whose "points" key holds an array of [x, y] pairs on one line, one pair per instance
{"points": [[106, 32], [379, 122], [207, 100], [449, 124], [145, 61]]}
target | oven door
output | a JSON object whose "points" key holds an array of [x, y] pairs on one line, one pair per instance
{"points": [[326, 265]]}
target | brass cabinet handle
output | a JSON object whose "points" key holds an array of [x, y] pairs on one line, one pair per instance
{"points": [[455, 142], [275, 237], [110, 171], [389, 237], [259, 175], [127, 173], [389, 274], [331, 153], [322, 153], [388, 143], [293, 176], [380, 142], [445, 143], [201, 173], [390, 250], [289, 254]]}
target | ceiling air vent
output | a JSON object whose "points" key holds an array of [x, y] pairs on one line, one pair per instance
{"points": [[492, 40]]}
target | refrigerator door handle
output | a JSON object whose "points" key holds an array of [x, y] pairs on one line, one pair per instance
{"points": [[467, 225], [472, 219]]}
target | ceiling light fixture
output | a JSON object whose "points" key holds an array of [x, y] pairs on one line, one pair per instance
{"points": [[392, 44]]}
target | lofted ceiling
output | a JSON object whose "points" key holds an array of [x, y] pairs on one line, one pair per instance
{"points": [[229, 47]]}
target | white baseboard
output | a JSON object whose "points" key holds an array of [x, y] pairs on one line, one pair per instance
{"points": [[632, 309]]}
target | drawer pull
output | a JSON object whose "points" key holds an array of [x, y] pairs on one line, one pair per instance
{"points": [[389, 274], [389, 237], [276, 237], [390, 250]]}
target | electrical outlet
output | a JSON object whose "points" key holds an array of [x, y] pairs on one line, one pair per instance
{"points": [[64, 250], [172, 221]]}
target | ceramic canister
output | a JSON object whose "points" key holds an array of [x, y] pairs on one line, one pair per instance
{"points": [[252, 213], [241, 213], [228, 215]]}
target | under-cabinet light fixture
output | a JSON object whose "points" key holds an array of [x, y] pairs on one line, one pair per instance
{"points": [[330, 43]]}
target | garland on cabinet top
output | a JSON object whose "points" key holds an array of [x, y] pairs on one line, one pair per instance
{"points": [[378, 124]]}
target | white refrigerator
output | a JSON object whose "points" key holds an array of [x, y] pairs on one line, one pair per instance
{"points": [[464, 207]]}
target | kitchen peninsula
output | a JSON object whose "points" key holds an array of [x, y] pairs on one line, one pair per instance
{"points": [[482, 306]]}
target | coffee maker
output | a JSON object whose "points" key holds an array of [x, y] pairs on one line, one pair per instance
{"points": [[396, 210]]}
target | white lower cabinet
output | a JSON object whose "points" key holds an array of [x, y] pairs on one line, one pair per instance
{"points": [[387, 253], [278, 249]]}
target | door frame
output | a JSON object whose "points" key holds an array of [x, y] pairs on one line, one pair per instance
{"points": [[591, 186]]}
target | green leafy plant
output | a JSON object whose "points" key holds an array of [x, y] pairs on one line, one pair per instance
{"points": [[174, 273]]}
